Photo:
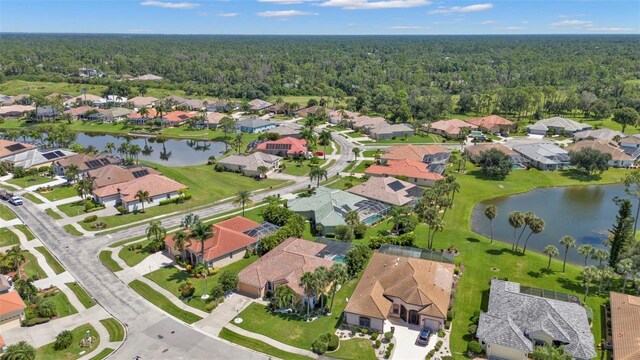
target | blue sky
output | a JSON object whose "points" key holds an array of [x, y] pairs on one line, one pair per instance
{"points": [[321, 16]]}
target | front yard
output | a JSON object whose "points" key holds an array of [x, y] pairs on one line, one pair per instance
{"points": [[28, 181], [73, 351], [59, 192], [6, 213], [293, 168]]}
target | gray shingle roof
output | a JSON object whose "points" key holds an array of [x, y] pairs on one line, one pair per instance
{"points": [[543, 153], [559, 122], [253, 123]]}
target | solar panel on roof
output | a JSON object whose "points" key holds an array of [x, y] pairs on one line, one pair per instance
{"points": [[272, 146], [15, 147], [396, 186], [53, 155], [140, 173], [59, 153]]}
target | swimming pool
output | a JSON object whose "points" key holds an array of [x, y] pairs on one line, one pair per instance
{"points": [[372, 219]]}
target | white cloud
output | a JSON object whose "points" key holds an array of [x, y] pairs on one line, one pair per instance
{"points": [[170, 5], [462, 9], [612, 29], [572, 23], [488, 22], [284, 13], [285, 2], [223, 14], [381, 4], [524, 21], [404, 27]]}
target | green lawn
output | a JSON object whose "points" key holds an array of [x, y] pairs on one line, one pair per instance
{"points": [[170, 278], [369, 153], [354, 349], [32, 268], [162, 302], [53, 263], [72, 352], [73, 208], [126, 241], [63, 306], [337, 128], [258, 345], [60, 192], [6, 213], [81, 294], [28, 181], [115, 329], [205, 185], [53, 214], [25, 230], [72, 230], [362, 166], [355, 134], [293, 168], [107, 260], [34, 199], [8, 237], [258, 319], [345, 183], [415, 139], [103, 354], [134, 257]]}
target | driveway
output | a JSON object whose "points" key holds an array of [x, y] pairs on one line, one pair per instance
{"points": [[406, 348], [233, 304]]}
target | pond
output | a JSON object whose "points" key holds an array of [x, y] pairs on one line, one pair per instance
{"points": [[169, 152], [584, 212]]}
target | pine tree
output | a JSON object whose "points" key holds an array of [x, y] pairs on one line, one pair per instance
{"points": [[621, 232]]}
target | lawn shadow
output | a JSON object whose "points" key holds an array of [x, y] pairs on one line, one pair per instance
{"points": [[575, 174], [480, 176], [534, 274], [179, 276], [503, 251], [484, 302], [571, 284], [473, 240]]}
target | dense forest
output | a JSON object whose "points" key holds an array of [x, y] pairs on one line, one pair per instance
{"points": [[402, 77]]}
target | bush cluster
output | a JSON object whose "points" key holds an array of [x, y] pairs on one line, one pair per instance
{"points": [[324, 343], [91, 218]]}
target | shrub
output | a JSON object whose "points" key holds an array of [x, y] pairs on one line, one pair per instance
{"points": [[475, 317], [121, 209], [35, 321], [447, 324], [390, 346], [217, 291], [374, 335], [319, 347], [456, 270], [378, 343], [450, 315], [89, 205], [472, 328], [344, 232], [187, 289], [438, 345], [63, 340], [354, 330], [91, 218], [334, 341], [364, 331], [448, 357], [360, 230], [475, 347], [47, 309], [388, 336], [441, 333], [211, 306]]}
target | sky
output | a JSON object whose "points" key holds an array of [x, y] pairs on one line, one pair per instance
{"points": [[322, 17]]}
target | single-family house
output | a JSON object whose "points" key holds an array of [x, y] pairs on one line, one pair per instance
{"points": [[557, 125], [544, 156], [11, 310], [290, 129], [341, 116], [34, 157], [57, 96], [390, 131], [493, 124], [411, 291], [177, 118], [45, 113], [388, 190], [16, 111], [219, 106], [311, 111], [258, 105], [84, 163], [79, 112], [124, 194], [84, 99], [618, 157], [249, 164], [284, 147], [110, 115], [142, 101], [283, 265], [115, 174], [10, 148], [327, 208], [415, 172], [20, 99], [139, 119], [111, 100], [450, 129], [366, 123], [254, 125], [630, 143], [517, 321], [474, 151], [213, 119], [598, 134], [430, 154], [228, 243], [625, 326]]}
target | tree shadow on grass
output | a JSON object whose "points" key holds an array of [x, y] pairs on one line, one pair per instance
{"points": [[534, 274], [481, 176], [503, 251], [575, 174], [571, 284], [484, 302], [473, 240], [179, 276]]}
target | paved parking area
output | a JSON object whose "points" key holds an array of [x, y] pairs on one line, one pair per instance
{"points": [[406, 348]]}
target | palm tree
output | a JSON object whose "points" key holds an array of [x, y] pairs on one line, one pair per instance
{"points": [[237, 142], [317, 173], [201, 233], [606, 273], [453, 186], [19, 351], [16, 257], [589, 275], [135, 150], [516, 220], [84, 187], [307, 283], [189, 221], [356, 152], [181, 240], [321, 282], [377, 156], [625, 268], [352, 218], [586, 250], [528, 216], [109, 147], [568, 242], [142, 196], [244, 198], [338, 275], [156, 230], [601, 255], [325, 139], [398, 216], [71, 172], [490, 212], [283, 296], [263, 170], [551, 251], [536, 225], [123, 148]]}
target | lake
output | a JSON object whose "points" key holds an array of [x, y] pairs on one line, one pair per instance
{"points": [[584, 212], [170, 152]]}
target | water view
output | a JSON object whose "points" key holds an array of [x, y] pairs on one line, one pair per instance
{"points": [[584, 212]]}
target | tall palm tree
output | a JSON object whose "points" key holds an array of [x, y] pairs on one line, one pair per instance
{"points": [[601, 255], [491, 212], [123, 148], [109, 147], [325, 139], [551, 251], [156, 230], [237, 142], [536, 225], [243, 198], [625, 268], [284, 297], [142, 196], [71, 172], [189, 221], [398, 216], [84, 187], [338, 275], [585, 250], [307, 283], [356, 152], [181, 240], [589, 275], [16, 257], [321, 276], [516, 220], [317, 173], [19, 351], [352, 218], [201, 233], [134, 151], [263, 170], [453, 186], [568, 242]]}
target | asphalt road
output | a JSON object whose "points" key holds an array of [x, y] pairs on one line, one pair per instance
{"points": [[151, 334]]}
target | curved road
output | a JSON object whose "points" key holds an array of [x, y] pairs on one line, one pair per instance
{"points": [[151, 334]]}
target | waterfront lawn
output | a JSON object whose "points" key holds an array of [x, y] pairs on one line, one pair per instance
{"points": [[25, 230], [170, 278], [258, 345], [60, 192], [299, 333], [31, 268], [72, 352], [205, 186], [28, 181], [162, 302], [53, 263], [8, 237], [115, 329], [81, 294], [292, 167], [107, 260], [354, 349], [6, 213]]}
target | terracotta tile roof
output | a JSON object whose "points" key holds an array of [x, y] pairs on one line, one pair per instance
{"points": [[285, 264], [16, 109], [379, 188], [86, 162], [151, 113], [178, 116], [79, 110], [154, 184], [451, 127], [476, 149], [8, 147], [424, 283], [489, 121], [292, 145], [228, 236], [603, 147], [10, 303], [408, 168], [625, 326], [413, 152], [114, 174]]}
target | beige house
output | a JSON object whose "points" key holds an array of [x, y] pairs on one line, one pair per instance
{"points": [[249, 165], [450, 129]]}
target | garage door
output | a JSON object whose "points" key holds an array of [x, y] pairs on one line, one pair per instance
{"points": [[431, 324]]}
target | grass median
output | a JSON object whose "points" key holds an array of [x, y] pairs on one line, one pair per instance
{"points": [[74, 351], [162, 302], [107, 260], [82, 295], [25, 230], [6, 213], [258, 345]]}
